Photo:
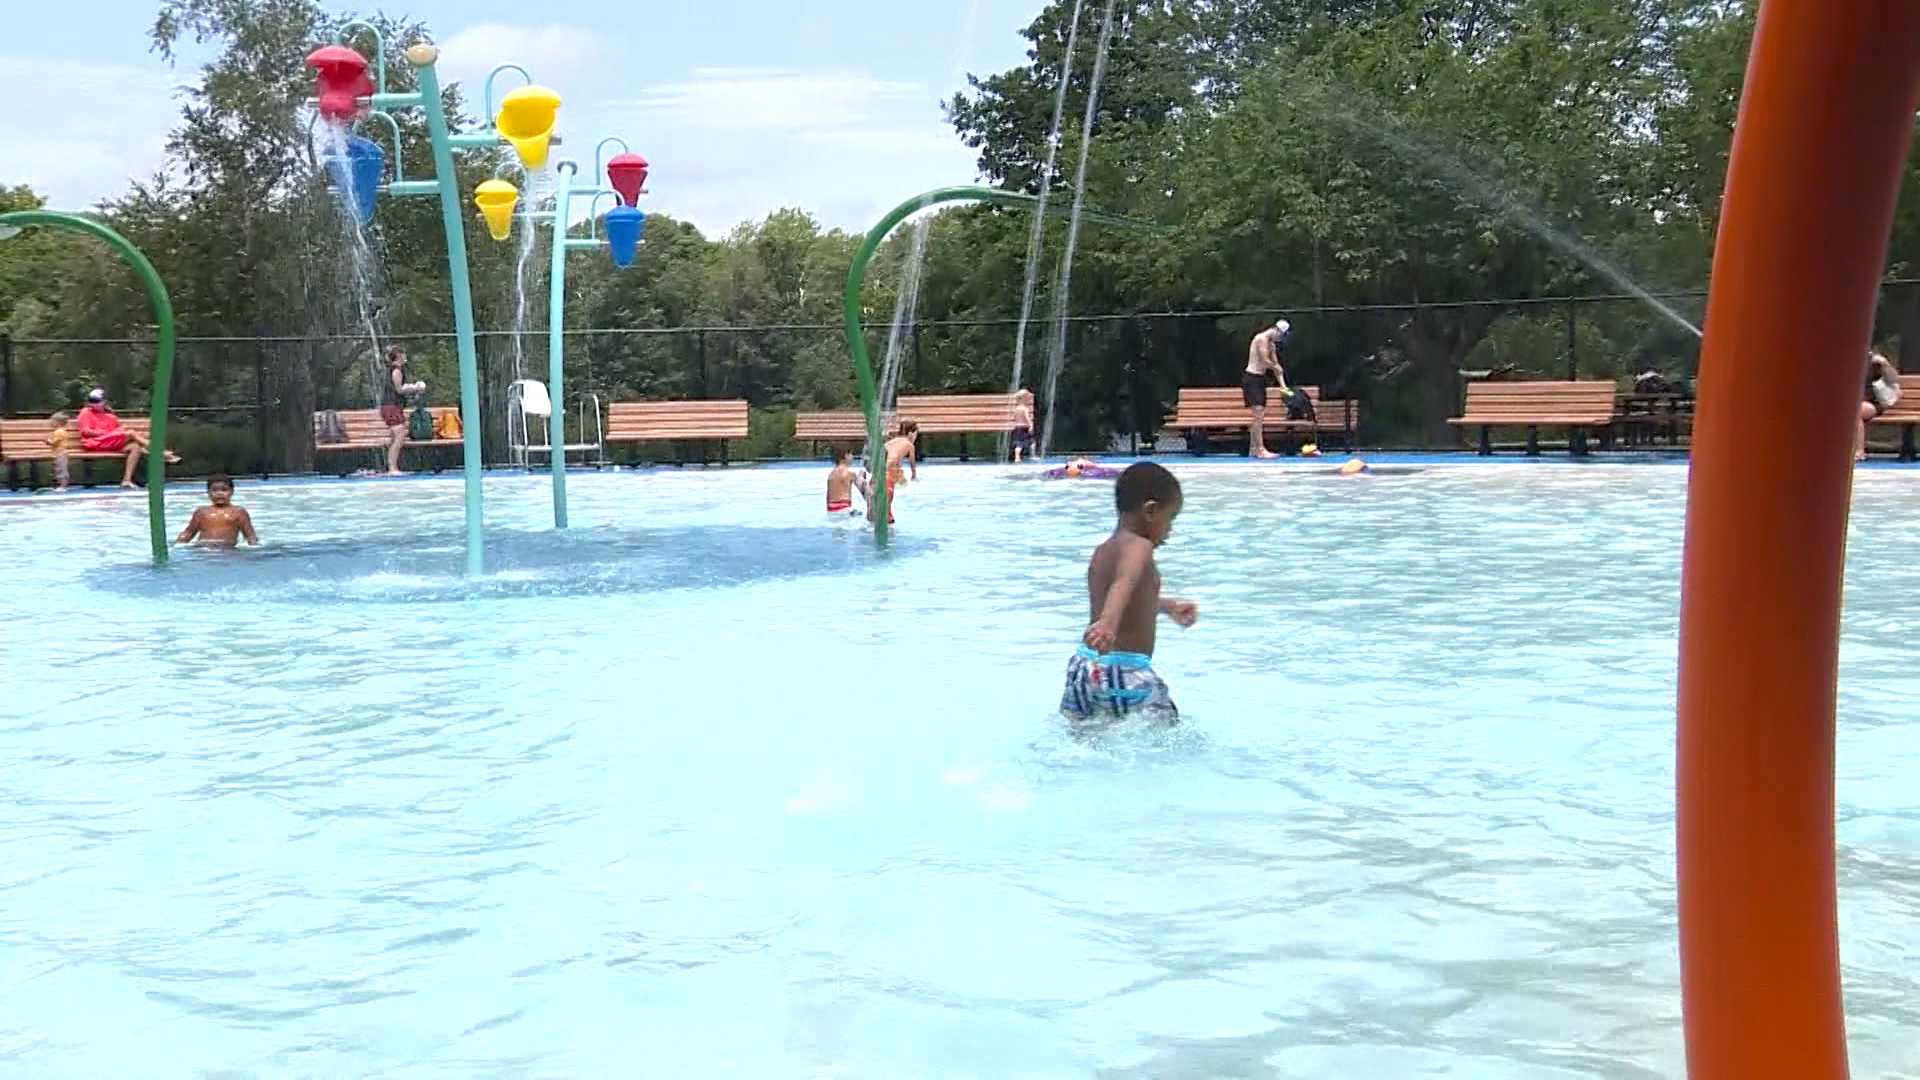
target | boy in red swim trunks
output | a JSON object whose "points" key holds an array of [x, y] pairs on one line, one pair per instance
{"points": [[842, 482]]}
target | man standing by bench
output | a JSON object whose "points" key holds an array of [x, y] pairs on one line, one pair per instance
{"points": [[1263, 359]]}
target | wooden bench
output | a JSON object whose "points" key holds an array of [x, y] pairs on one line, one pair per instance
{"points": [[677, 421], [366, 431], [1905, 414], [1576, 406], [23, 441], [958, 414], [1205, 408], [840, 427]]}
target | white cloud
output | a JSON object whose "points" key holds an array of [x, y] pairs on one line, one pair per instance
{"points": [[549, 52], [83, 129], [748, 99], [735, 143], [932, 139]]}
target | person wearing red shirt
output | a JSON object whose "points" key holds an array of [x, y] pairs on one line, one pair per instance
{"points": [[101, 433]]}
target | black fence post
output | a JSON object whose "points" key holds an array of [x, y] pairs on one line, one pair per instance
{"points": [[1573, 343], [260, 403], [700, 347], [6, 374]]}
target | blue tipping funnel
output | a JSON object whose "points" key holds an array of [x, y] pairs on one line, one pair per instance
{"points": [[358, 172], [623, 225]]}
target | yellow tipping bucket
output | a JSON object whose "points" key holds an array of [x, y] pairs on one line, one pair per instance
{"points": [[525, 119], [496, 199]]}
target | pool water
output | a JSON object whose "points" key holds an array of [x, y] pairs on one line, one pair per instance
{"points": [[709, 787]]}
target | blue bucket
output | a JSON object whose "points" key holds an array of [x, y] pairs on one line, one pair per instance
{"points": [[623, 225], [358, 173]]}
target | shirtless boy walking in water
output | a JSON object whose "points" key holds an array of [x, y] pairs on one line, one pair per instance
{"points": [[222, 524], [1112, 673]]}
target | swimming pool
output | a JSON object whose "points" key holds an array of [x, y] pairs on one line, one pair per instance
{"points": [[708, 787]]}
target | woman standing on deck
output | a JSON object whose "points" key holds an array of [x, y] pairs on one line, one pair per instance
{"points": [[393, 405]]}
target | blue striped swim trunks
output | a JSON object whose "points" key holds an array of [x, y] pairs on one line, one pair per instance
{"points": [[1113, 685]]}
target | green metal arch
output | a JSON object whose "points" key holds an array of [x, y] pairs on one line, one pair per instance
{"points": [[857, 274], [162, 356]]}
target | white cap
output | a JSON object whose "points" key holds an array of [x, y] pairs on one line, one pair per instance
{"points": [[1283, 326], [98, 394]]}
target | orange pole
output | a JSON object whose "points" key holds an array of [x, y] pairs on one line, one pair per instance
{"points": [[1822, 140]]}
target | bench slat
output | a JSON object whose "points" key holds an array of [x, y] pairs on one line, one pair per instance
{"points": [[1583, 403], [646, 421], [25, 439], [1208, 407], [1907, 409], [366, 431]]}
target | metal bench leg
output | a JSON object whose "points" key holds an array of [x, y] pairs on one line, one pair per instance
{"points": [[1577, 442], [1533, 441], [1486, 441], [1906, 442]]}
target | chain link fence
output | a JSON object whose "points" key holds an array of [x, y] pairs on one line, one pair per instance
{"points": [[246, 405]]}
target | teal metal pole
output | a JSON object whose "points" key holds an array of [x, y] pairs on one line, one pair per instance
{"points": [[850, 307], [162, 307], [462, 288], [556, 344]]}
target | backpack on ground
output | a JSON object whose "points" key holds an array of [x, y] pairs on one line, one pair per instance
{"points": [[1299, 405], [420, 424], [333, 430]]}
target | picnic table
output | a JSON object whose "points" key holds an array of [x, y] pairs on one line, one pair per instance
{"points": [[1643, 418]]}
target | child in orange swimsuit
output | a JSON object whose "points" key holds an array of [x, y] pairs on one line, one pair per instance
{"points": [[902, 460]]}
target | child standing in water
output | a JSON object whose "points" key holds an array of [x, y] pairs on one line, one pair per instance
{"points": [[842, 482], [60, 438], [1111, 675], [903, 461], [1022, 438], [221, 524]]}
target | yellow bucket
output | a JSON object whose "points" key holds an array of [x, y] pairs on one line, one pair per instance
{"points": [[525, 119], [496, 200]]}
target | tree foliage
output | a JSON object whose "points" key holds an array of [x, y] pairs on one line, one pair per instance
{"points": [[1303, 155]]}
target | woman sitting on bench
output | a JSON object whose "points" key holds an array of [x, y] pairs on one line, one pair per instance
{"points": [[1882, 393], [101, 433]]}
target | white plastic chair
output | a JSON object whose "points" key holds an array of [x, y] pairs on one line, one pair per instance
{"points": [[527, 398]]}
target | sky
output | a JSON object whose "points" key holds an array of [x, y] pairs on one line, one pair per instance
{"points": [[742, 107]]}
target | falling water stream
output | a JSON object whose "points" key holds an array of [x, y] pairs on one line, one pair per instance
{"points": [[537, 189], [1343, 106], [1037, 231], [906, 302], [360, 268], [1057, 357]]}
